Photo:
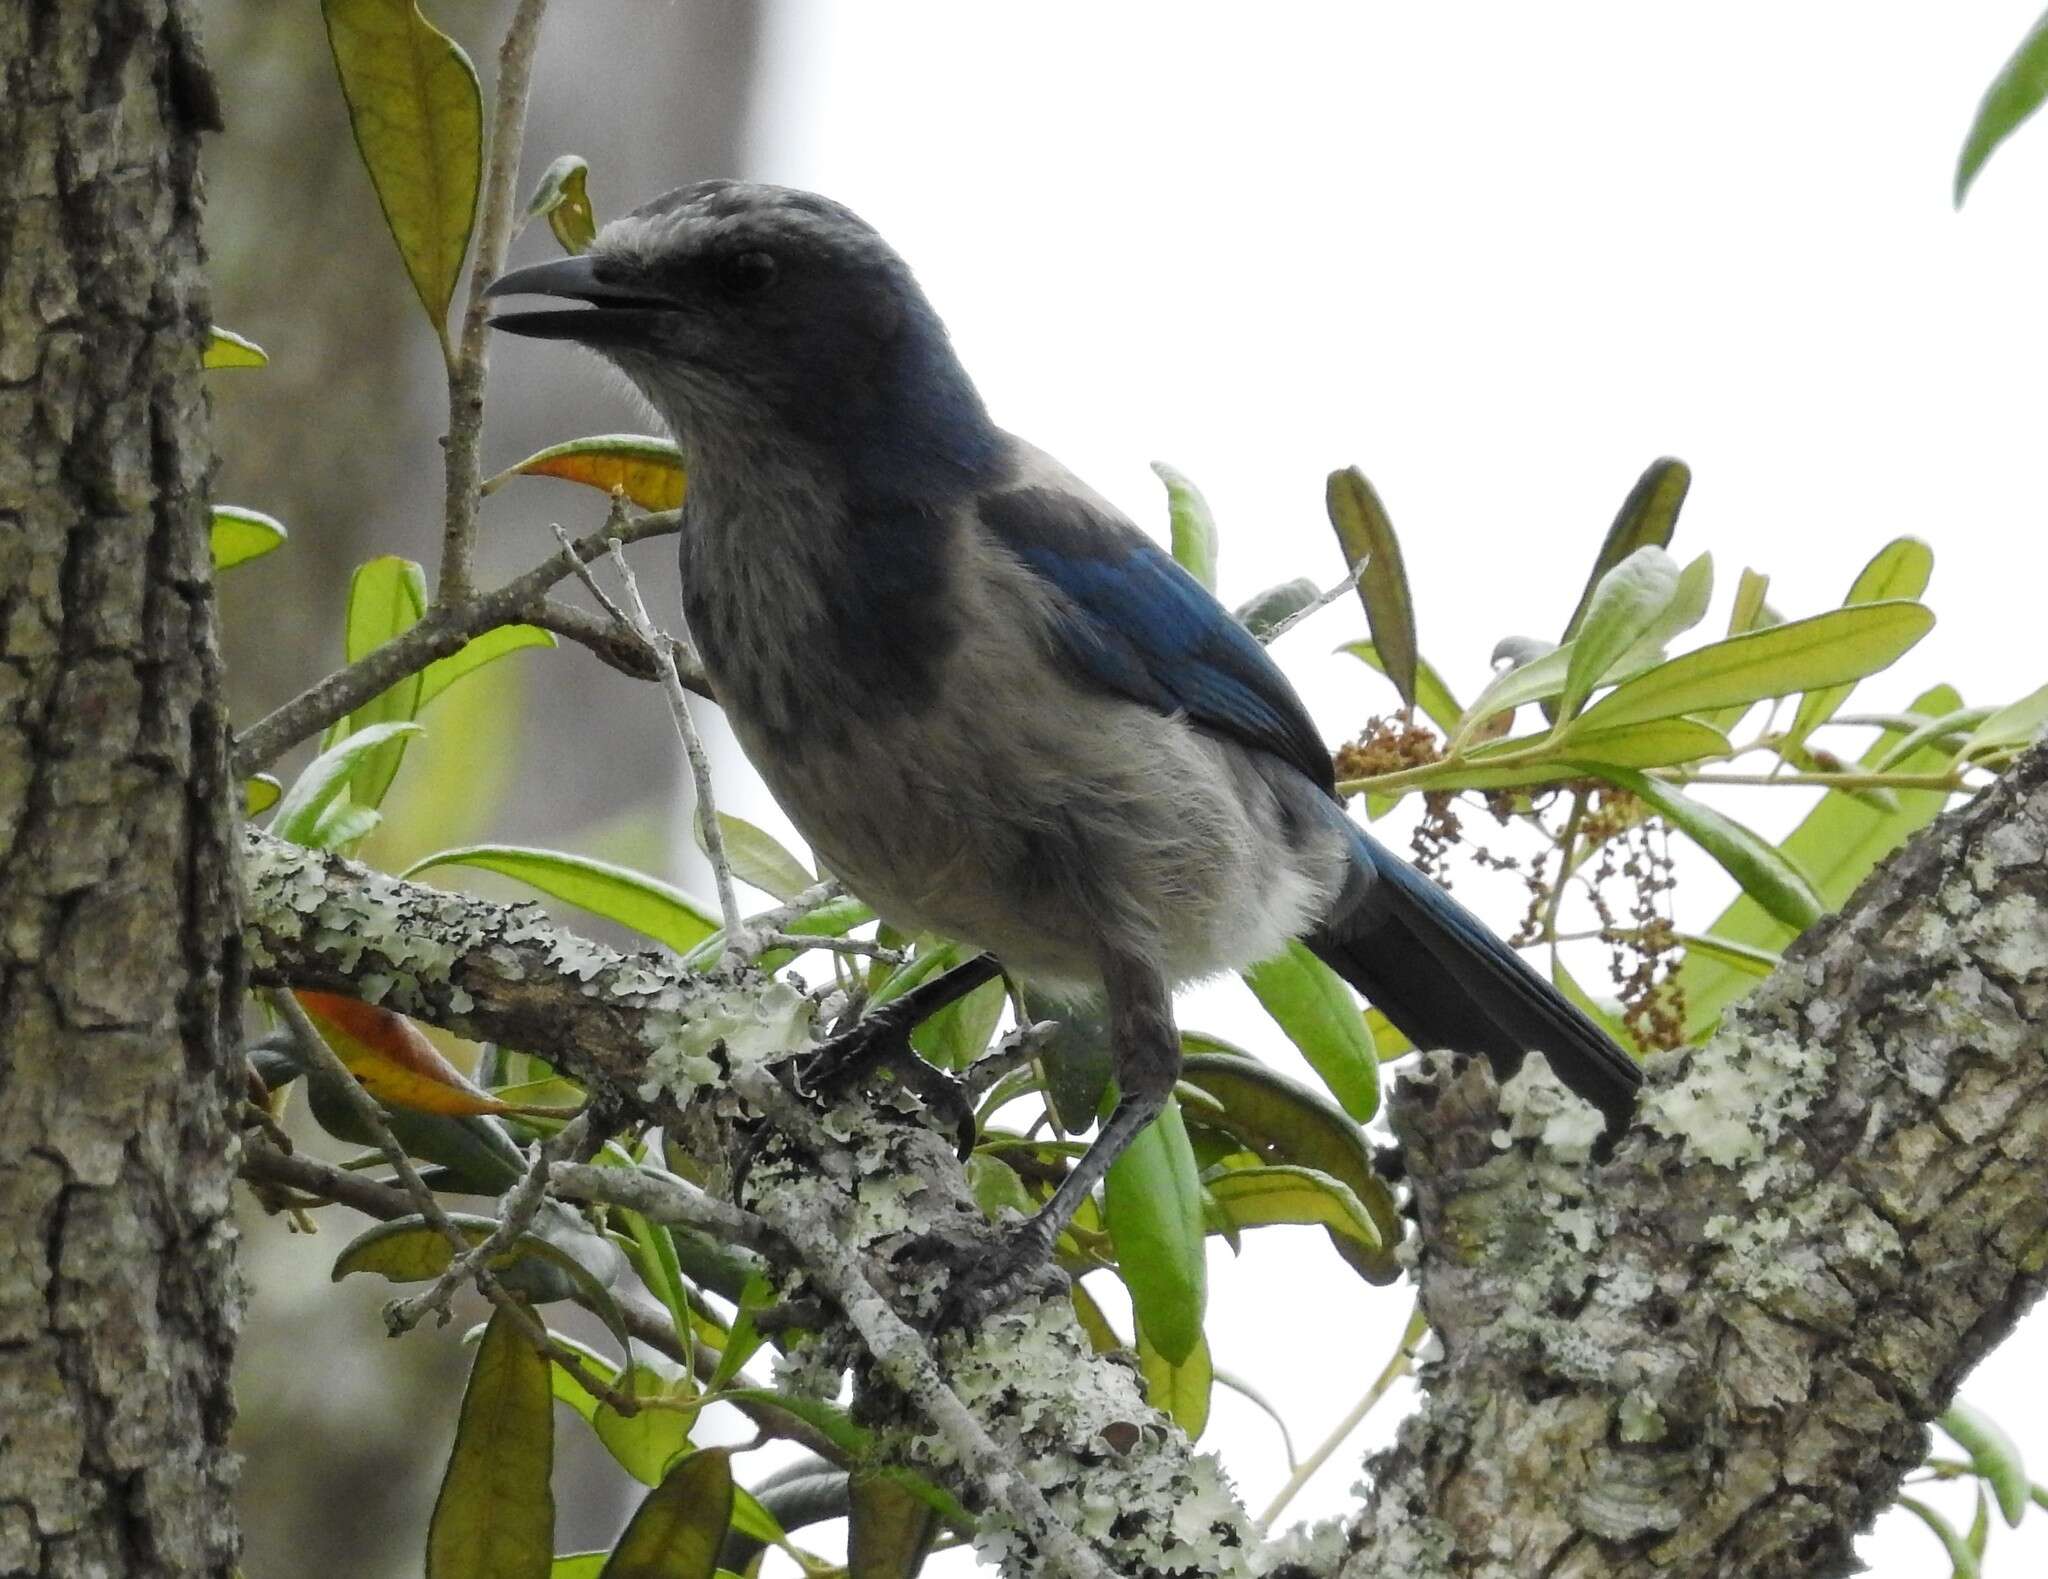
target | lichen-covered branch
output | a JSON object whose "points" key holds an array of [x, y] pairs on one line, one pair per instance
{"points": [[672, 1045], [1715, 1354]]}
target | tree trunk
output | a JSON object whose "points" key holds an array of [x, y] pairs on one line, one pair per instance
{"points": [[119, 962]]}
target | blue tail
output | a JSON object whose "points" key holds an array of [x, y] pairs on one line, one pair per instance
{"points": [[1433, 968]]}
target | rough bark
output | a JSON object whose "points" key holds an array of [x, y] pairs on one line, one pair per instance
{"points": [[119, 951], [1716, 1354]]}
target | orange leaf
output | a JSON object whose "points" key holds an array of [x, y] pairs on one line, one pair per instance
{"points": [[394, 1060], [647, 471]]}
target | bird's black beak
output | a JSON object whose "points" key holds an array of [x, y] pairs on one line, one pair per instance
{"points": [[617, 310]]}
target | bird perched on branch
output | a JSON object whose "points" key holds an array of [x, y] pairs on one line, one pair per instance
{"points": [[991, 704]]}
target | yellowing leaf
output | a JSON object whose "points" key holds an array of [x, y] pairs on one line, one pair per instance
{"points": [[259, 794], [393, 1059], [647, 471], [225, 348], [495, 1516], [562, 199], [238, 535], [417, 115], [1365, 531], [679, 1526]]}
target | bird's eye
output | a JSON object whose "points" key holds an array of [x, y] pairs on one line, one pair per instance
{"points": [[745, 273]]}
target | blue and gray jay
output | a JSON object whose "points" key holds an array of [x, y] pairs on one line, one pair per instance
{"points": [[992, 705]]}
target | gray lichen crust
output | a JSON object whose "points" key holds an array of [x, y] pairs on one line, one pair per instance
{"points": [[1715, 1354]]}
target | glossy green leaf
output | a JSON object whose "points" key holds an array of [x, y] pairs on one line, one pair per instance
{"points": [[2013, 726], [889, 1531], [1432, 696], [386, 597], [679, 1526], [648, 906], [1647, 519], [1661, 742], [1827, 649], [1254, 1197], [1958, 1549], [238, 535], [758, 858], [1993, 1455], [260, 792], [1178, 1389], [1152, 1202], [1764, 873], [1282, 1121], [563, 199], [1310, 1002], [1625, 606], [324, 778], [476, 652], [644, 1444], [648, 471], [1898, 570], [417, 115], [495, 1516], [1193, 525], [2015, 94], [225, 348], [1837, 845], [1366, 532]]}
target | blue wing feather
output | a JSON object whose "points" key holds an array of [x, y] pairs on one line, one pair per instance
{"points": [[1136, 623]]}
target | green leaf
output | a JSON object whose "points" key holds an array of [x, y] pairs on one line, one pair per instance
{"points": [[648, 906], [757, 857], [648, 471], [562, 199], [679, 1526], [744, 1340], [495, 1516], [238, 535], [578, 1565], [386, 597], [1661, 742], [1622, 611], [1179, 1388], [476, 652], [1310, 1002], [1827, 649], [417, 115], [1365, 531], [828, 1420], [1744, 957], [2013, 726], [959, 1033], [1837, 844], [1515, 687], [1264, 612], [644, 1444], [225, 348], [1647, 518], [1765, 874], [1253, 1197], [260, 792], [890, 1529], [1748, 613], [1951, 731], [1282, 1121], [1958, 1549], [1993, 1455], [1438, 705], [324, 778], [1152, 1201], [1193, 525], [2015, 93], [1899, 570], [1102, 1337]]}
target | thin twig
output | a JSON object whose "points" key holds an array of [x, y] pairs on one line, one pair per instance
{"points": [[661, 1198], [442, 632], [1321, 601], [759, 940], [471, 357], [313, 1047], [905, 1358], [797, 906], [516, 1212], [1394, 1370]]}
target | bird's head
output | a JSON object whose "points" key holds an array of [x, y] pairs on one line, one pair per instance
{"points": [[743, 311]]}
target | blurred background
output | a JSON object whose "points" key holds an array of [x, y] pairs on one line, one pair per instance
{"points": [[1500, 256]]}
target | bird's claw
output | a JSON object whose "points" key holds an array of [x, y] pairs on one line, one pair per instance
{"points": [[875, 1043], [985, 1271]]}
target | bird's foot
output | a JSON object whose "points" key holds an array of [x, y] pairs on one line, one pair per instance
{"points": [[984, 1272], [880, 1042]]}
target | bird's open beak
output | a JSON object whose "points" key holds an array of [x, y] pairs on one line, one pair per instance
{"points": [[617, 310]]}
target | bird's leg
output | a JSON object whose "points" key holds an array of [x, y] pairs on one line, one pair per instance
{"points": [[1145, 1051], [882, 1037]]}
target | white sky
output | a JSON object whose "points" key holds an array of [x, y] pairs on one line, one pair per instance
{"points": [[1501, 256]]}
